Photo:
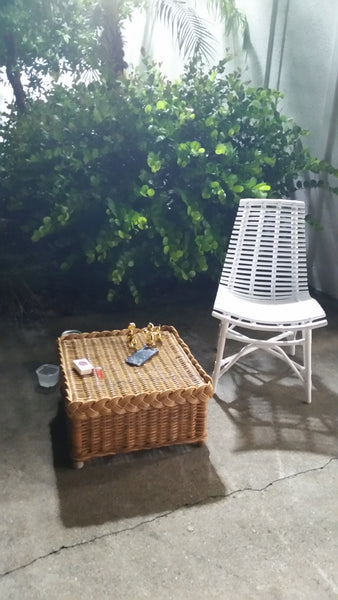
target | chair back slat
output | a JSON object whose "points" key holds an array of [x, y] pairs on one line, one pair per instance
{"points": [[266, 257]]}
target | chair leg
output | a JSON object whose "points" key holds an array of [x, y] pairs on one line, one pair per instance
{"points": [[292, 350], [307, 350], [220, 351]]}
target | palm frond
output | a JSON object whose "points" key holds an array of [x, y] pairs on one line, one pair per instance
{"points": [[234, 19], [187, 27]]}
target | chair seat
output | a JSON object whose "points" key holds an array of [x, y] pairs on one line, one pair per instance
{"points": [[271, 315]]}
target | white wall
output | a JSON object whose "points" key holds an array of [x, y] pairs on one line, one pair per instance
{"points": [[304, 66]]}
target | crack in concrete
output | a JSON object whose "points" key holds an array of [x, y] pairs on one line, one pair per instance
{"points": [[292, 476], [83, 543], [165, 514]]}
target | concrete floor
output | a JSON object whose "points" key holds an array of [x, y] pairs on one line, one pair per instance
{"points": [[250, 515]]}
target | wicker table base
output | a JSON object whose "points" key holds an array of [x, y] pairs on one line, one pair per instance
{"points": [[161, 403]]}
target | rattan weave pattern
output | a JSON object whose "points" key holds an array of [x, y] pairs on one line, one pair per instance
{"points": [[163, 402]]}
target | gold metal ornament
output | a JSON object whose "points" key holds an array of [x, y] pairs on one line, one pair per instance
{"points": [[150, 337], [157, 334], [131, 340], [153, 335]]}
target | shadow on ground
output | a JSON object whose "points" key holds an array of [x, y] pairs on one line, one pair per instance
{"points": [[269, 415], [128, 485]]}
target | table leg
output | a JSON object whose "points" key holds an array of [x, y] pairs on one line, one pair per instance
{"points": [[78, 464]]}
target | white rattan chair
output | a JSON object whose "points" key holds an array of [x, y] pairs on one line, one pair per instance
{"points": [[264, 287]]}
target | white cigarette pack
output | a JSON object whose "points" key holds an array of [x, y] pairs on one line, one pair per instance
{"points": [[83, 366]]}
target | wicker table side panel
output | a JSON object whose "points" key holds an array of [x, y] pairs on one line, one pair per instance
{"points": [[94, 433]]}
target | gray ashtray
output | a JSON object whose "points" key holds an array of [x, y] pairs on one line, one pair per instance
{"points": [[70, 331]]}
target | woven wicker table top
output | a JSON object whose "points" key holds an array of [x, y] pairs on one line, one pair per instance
{"points": [[173, 368]]}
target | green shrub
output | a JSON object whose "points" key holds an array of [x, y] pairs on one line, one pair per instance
{"points": [[144, 178]]}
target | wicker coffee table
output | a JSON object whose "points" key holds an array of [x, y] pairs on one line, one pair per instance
{"points": [[161, 403]]}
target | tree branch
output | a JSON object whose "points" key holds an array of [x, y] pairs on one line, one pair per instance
{"points": [[13, 74]]}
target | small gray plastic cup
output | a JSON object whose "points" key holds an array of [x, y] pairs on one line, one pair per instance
{"points": [[48, 375]]}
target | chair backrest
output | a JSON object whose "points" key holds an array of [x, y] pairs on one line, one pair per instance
{"points": [[266, 257]]}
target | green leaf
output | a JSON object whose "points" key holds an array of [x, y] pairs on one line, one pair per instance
{"points": [[196, 216], [154, 162], [263, 187], [144, 191], [270, 160], [161, 105], [142, 222], [221, 149]]}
